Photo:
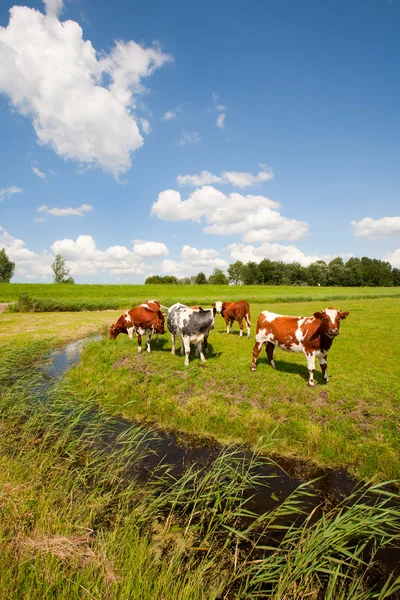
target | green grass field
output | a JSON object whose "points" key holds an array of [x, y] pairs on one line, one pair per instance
{"points": [[90, 297], [72, 527], [352, 422]]}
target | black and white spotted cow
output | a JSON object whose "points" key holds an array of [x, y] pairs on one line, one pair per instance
{"points": [[191, 325]]}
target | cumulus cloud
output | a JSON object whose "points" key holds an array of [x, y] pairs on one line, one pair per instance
{"points": [[66, 212], [145, 125], [39, 173], [169, 115], [393, 258], [188, 137], [194, 260], [6, 193], [284, 253], [253, 217], [240, 179], [27, 263], [81, 103], [377, 228], [147, 249]]}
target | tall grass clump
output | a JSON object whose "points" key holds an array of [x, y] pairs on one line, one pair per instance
{"points": [[82, 514]]}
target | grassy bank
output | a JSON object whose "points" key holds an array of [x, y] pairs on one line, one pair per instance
{"points": [[74, 525], [52, 297]]}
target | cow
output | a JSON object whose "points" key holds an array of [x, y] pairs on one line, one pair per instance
{"points": [[205, 341], [234, 311], [312, 335], [147, 318], [192, 325]]}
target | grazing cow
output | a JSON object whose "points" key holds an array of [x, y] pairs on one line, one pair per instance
{"points": [[312, 335], [205, 341], [192, 325], [234, 311], [146, 318]]}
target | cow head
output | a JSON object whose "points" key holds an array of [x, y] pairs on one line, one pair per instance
{"points": [[219, 306], [331, 318], [114, 331], [160, 322]]}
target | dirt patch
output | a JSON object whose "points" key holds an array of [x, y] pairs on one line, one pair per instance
{"points": [[4, 306]]}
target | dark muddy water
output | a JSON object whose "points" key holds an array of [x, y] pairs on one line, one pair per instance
{"points": [[284, 475]]}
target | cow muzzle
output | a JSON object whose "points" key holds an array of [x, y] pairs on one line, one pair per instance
{"points": [[333, 332]]}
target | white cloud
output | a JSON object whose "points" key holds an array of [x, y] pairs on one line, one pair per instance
{"points": [[66, 212], [205, 178], [147, 249], [80, 102], [188, 137], [27, 263], [220, 120], [255, 218], [281, 252], [6, 193], [393, 258], [145, 125], [169, 115], [194, 260], [236, 178], [39, 173], [377, 228]]}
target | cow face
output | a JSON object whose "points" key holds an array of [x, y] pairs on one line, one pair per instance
{"points": [[331, 318], [114, 331], [218, 306], [160, 323]]}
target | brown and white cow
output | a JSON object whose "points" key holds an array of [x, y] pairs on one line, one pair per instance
{"points": [[234, 311], [146, 318], [312, 335]]}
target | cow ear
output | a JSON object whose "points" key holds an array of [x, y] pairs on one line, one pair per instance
{"points": [[343, 315], [213, 304], [201, 309], [214, 310], [318, 315]]}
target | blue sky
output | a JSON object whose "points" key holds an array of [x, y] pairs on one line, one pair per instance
{"points": [[174, 138]]}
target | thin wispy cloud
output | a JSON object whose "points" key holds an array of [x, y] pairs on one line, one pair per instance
{"points": [[169, 115], [6, 193], [39, 173], [240, 179], [220, 120], [66, 212], [188, 137], [220, 108]]}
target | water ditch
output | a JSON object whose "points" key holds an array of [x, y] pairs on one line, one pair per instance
{"points": [[327, 487]]}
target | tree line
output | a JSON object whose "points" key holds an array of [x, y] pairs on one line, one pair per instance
{"points": [[356, 272]]}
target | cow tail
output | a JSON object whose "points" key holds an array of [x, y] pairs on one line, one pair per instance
{"points": [[248, 318], [164, 307]]}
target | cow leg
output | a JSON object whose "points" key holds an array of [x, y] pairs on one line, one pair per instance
{"points": [[248, 325], [324, 365], [148, 338], [173, 344], [269, 348], [231, 326], [240, 321], [157, 338], [256, 352], [227, 325], [206, 344], [200, 351], [311, 368], [130, 331], [186, 343], [139, 339], [182, 347]]}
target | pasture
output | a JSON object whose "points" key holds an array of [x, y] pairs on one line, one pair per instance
{"points": [[100, 297], [73, 526], [352, 422]]}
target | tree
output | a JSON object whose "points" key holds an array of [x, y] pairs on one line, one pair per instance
{"points": [[218, 278], [317, 273], [61, 272], [7, 267], [235, 272], [201, 279]]}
